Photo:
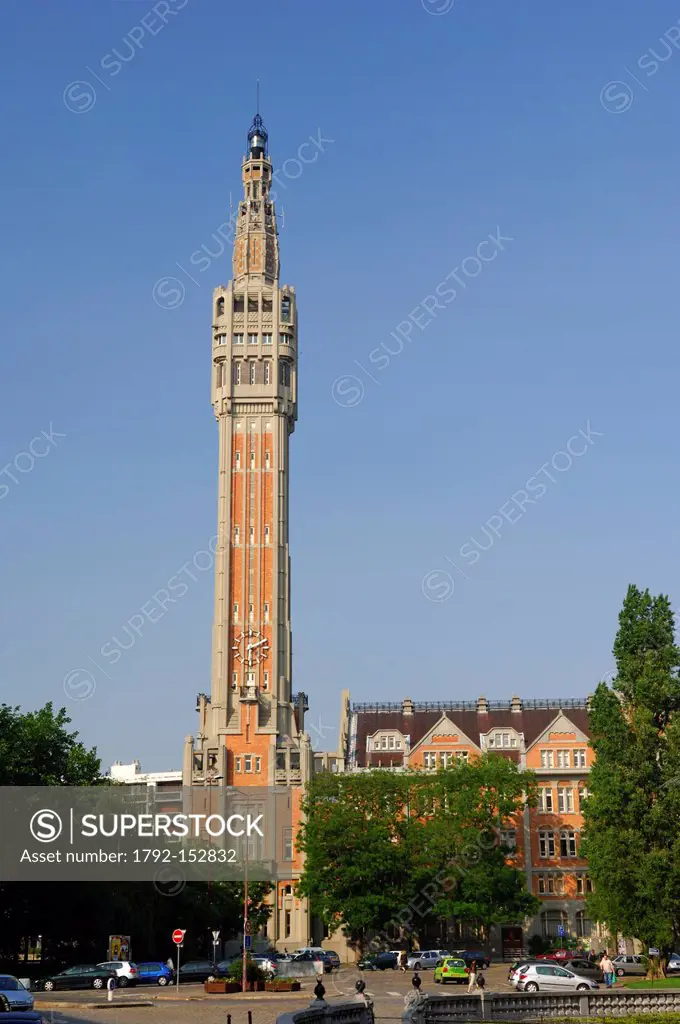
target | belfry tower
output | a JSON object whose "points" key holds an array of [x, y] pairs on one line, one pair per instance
{"points": [[251, 727]]}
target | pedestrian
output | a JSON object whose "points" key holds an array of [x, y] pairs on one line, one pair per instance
{"points": [[402, 960], [472, 978], [607, 968], [169, 963], [413, 999]]}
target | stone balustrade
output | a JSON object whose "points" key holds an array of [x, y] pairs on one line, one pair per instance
{"points": [[508, 1006]]}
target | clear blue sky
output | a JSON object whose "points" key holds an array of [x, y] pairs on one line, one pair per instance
{"points": [[445, 127]]}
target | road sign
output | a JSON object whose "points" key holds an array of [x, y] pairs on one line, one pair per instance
{"points": [[247, 941], [178, 936], [216, 938], [248, 928], [560, 930]]}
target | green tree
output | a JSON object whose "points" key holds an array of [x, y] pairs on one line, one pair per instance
{"points": [[397, 853], [37, 750], [632, 815]]}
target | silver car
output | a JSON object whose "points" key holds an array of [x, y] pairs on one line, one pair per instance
{"points": [[426, 958], [13, 995], [551, 978], [630, 965]]}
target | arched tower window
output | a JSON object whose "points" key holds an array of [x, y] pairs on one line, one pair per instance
{"points": [[220, 307]]}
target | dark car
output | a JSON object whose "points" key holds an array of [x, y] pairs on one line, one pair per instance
{"points": [[83, 976], [198, 970], [310, 957], [482, 960], [333, 958], [378, 962], [154, 972], [583, 967]]}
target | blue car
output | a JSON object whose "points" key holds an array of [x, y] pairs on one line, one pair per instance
{"points": [[154, 971], [13, 995]]}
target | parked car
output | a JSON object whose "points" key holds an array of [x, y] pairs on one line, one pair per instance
{"points": [[23, 1017], [551, 978], [13, 995], [630, 965], [378, 962], [320, 956], [519, 965], [198, 970], [451, 968], [126, 973], [83, 976], [673, 965], [427, 958], [154, 972], [482, 959], [584, 967], [334, 959], [265, 963]]}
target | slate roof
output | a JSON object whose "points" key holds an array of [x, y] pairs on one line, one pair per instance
{"points": [[533, 719]]}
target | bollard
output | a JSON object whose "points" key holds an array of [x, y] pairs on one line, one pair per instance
{"points": [[110, 986], [228, 1018], [250, 1017]]}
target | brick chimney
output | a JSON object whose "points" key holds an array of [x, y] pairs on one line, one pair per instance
{"points": [[407, 706], [482, 706], [516, 704]]}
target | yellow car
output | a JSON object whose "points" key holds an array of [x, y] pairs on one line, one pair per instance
{"points": [[451, 968]]}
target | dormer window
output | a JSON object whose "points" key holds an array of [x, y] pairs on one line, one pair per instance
{"points": [[501, 740]]}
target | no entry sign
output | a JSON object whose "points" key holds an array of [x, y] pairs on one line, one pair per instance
{"points": [[178, 936]]}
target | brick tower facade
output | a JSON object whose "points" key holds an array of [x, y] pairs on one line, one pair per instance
{"points": [[251, 726]]}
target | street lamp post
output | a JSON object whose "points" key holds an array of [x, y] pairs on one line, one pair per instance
{"points": [[246, 925]]}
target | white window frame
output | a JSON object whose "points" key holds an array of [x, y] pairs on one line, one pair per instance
{"points": [[545, 799], [565, 799], [256, 338], [508, 837], [564, 759], [430, 759], [579, 758], [547, 759], [238, 339], [266, 339], [546, 844], [568, 841], [248, 763]]}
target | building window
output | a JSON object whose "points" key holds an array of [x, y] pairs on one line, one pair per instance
{"points": [[267, 460], [235, 612], [267, 371], [391, 742], [545, 800], [563, 759], [237, 460], [238, 303], [237, 535], [383, 743], [219, 374], [238, 764], [546, 885], [266, 339], [559, 885], [252, 460], [430, 759], [287, 844], [509, 838], [584, 885], [219, 309], [547, 759], [546, 844], [251, 373], [251, 612], [258, 765], [285, 309], [579, 759], [445, 758], [221, 339], [266, 535], [236, 372], [565, 799], [554, 924], [284, 373], [284, 339], [265, 681], [582, 795], [234, 680], [238, 339], [267, 304], [502, 739], [584, 926], [286, 924], [253, 339], [266, 612], [252, 535], [462, 756], [248, 762], [252, 304], [567, 844]]}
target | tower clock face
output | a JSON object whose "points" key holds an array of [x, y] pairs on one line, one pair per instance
{"points": [[250, 647]]}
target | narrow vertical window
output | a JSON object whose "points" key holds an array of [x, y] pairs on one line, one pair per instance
{"points": [[266, 612], [248, 762], [234, 680], [238, 764], [266, 535], [253, 303], [267, 372], [236, 372], [285, 309], [252, 460], [219, 309], [237, 460], [235, 612], [265, 681], [258, 764], [267, 460], [237, 535], [251, 613], [252, 534], [218, 374], [238, 303], [251, 379]]}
